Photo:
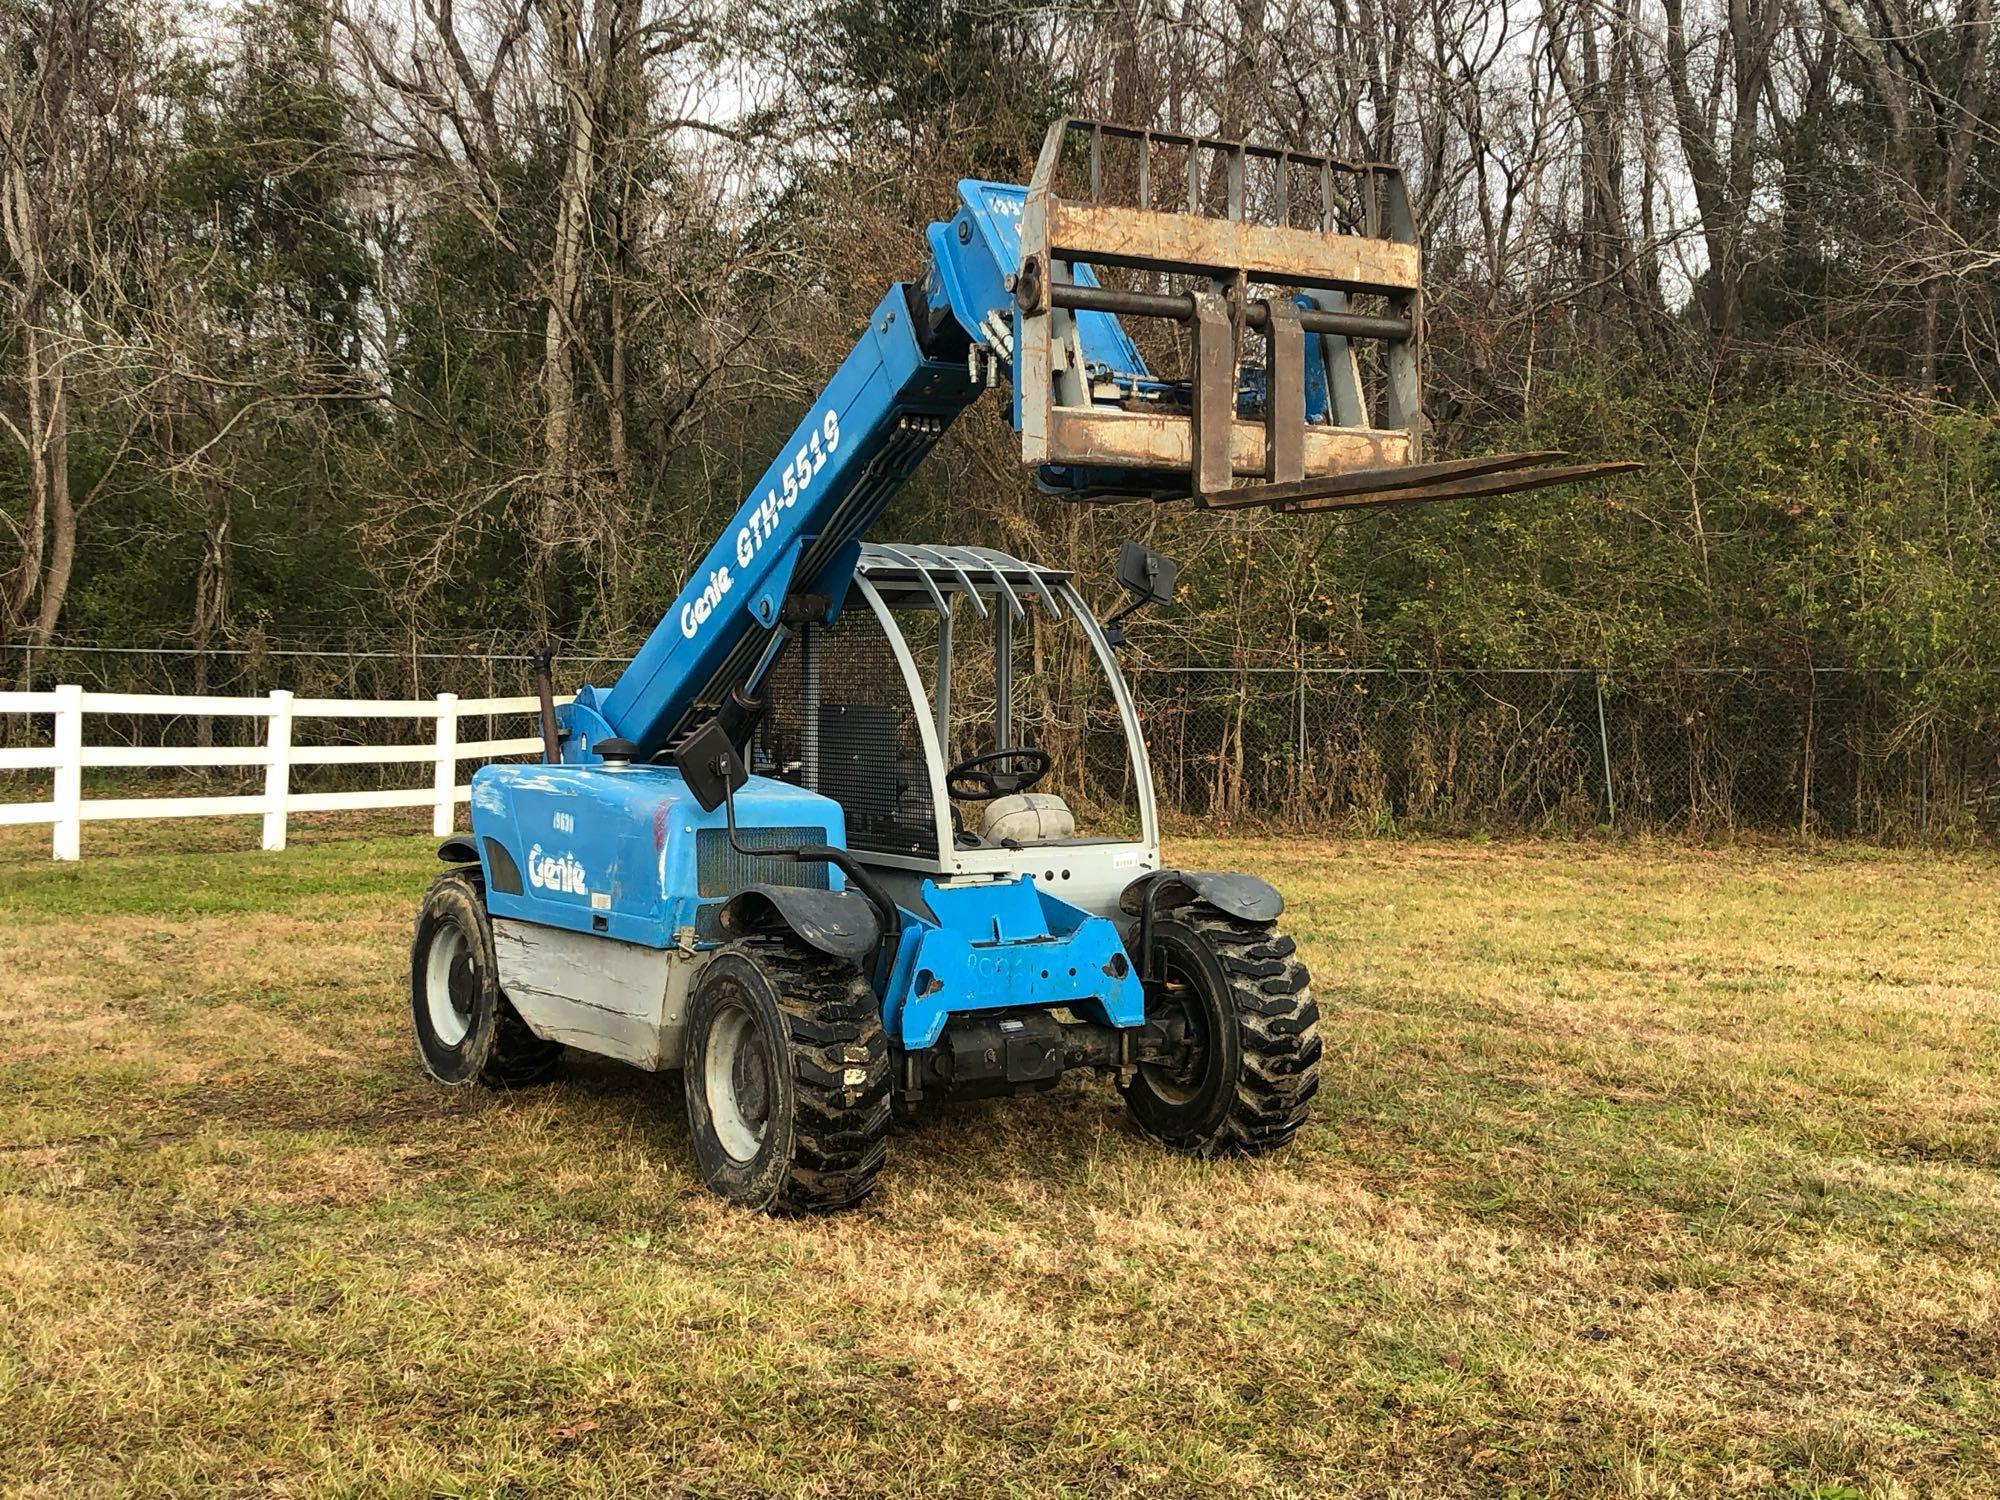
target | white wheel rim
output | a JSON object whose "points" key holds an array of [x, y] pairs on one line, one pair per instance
{"points": [[737, 1084], [448, 948]]}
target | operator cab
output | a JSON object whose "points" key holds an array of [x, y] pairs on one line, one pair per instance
{"points": [[967, 713]]}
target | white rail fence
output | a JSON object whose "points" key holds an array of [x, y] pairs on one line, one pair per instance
{"points": [[69, 754]]}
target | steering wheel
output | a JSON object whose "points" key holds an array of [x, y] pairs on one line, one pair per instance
{"points": [[980, 779]]}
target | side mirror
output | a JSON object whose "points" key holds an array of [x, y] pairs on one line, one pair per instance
{"points": [[1146, 575], [708, 762]]}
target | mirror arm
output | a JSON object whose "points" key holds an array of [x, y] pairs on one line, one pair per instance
{"points": [[1113, 630], [1148, 576], [1130, 609]]}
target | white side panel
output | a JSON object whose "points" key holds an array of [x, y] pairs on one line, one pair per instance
{"points": [[1084, 873], [618, 1000]]}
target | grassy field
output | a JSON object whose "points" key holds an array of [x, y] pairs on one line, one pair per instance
{"points": [[1638, 1171]]}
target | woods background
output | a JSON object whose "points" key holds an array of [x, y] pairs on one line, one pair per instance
{"points": [[412, 336]]}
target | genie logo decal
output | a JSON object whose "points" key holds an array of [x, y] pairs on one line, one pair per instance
{"points": [[555, 872], [695, 615], [763, 519]]}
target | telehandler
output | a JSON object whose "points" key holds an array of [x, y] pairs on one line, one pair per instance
{"points": [[798, 850]]}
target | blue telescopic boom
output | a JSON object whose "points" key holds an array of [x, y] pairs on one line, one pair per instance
{"points": [[799, 531]]}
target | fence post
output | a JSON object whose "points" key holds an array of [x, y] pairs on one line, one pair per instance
{"points": [[1300, 671], [277, 768], [446, 779], [68, 798], [1604, 741]]}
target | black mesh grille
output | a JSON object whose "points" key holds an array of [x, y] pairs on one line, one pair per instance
{"points": [[723, 871], [870, 756]]}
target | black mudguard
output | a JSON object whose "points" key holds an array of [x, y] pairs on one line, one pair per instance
{"points": [[458, 850], [841, 923], [1243, 896]]}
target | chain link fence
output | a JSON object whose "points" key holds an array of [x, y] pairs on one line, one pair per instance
{"points": [[1869, 755], [1887, 756]]}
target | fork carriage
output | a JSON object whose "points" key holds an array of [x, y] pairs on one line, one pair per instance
{"points": [[1314, 256]]}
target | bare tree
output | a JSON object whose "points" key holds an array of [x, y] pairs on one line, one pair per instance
{"points": [[563, 129], [66, 97], [1936, 103], [1719, 80]]}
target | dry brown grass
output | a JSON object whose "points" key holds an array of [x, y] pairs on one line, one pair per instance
{"points": [[1638, 1171]]}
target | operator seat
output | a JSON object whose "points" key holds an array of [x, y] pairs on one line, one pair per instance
{"points": [[1027, 818]]}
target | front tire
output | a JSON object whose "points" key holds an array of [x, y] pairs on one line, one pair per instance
{"points": [[1236, 1005], [467, 1030], [787, 1078]]}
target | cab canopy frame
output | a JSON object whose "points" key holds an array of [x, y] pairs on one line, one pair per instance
{"points": [[887, 762]]}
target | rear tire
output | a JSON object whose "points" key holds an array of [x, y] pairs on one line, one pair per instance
{"points": [[467, 1030], [1246, 1077], [787, 1078]]}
